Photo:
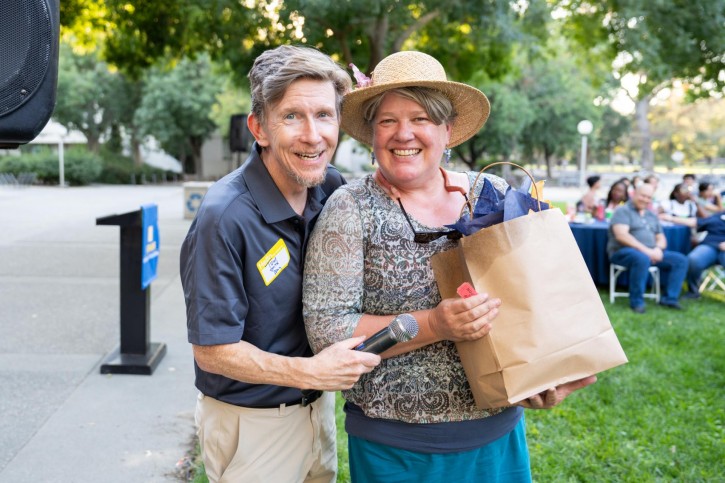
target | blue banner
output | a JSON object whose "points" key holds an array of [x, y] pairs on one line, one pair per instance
{"points": [[149, 243]]}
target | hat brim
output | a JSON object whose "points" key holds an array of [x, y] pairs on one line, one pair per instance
{"points": [[471, 105]]}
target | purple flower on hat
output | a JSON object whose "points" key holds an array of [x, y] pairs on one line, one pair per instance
{"points": [[362, 79]]}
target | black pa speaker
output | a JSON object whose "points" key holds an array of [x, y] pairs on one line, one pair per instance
{"points": [[240, 138], [29, 34]]}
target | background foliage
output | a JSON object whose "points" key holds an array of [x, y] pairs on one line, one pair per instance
{"points": [[81, 167], [556, 60], [176, 109]]}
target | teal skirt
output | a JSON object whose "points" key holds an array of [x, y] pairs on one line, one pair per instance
{"points": [[504, 460]]}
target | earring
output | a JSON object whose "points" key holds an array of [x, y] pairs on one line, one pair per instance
{"points": [[447, 155], [372, 158]]}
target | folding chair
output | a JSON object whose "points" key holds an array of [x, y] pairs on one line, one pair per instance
{"points": [[616, 270], [714, 280]]}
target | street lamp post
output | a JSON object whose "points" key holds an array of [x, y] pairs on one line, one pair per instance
{"points": [[585, 128]]}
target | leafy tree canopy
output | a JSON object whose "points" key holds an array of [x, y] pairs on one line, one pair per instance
{"points": [[464, 34], [87, 97], [136, 34], [658, 40], [176, 109], [560, 99]]}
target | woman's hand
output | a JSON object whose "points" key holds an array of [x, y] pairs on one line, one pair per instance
{"points": [[458, 319], [551, 397]]}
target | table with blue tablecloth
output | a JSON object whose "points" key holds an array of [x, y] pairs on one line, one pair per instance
{"points": [[592, 241]]}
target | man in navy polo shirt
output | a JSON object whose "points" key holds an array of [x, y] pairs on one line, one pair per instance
{"points": [[241, 269]]}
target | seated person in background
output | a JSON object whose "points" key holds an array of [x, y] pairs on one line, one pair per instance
{"points": [[588, 203], [690, 182], [653, 180], [717, 197], [708, 202], [632, 185], [710, 251], [679, 203], [637, 242], [617, 195]]}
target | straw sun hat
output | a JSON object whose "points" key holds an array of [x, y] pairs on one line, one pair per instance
{"points": [[411, 68]]}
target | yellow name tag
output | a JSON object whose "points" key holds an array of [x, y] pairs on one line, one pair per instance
{"points": [[275, 260]]}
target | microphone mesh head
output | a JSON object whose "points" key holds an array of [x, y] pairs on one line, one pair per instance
{"points": [[404, 327]]}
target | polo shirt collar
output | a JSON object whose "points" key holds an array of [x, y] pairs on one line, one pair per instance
{"points": [[269, 199]]}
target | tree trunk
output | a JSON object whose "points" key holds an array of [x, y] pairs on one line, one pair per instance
{"points": [[547, 159], [472, 153], [114, 142], [506, 168], [136, 151], [196, 144], [94, 144], [467, 155], [642, 111], [189, 168], [377, 36], [344, 48], [340, 138]]}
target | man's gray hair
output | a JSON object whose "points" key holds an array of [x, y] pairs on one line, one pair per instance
{"points": [[275, 70]]}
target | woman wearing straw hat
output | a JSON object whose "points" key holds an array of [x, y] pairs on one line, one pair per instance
{"points": [[368, 261]]}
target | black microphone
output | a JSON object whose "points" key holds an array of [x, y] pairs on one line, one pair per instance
{"points": [[403, 328]]}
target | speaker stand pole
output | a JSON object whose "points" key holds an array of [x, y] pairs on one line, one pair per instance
{"points": [[61, 164]]}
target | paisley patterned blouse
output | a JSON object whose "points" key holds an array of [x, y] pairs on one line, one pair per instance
{"points": [[361, 259]]}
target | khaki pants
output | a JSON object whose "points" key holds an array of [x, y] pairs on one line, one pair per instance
{"points": [[289, 444]]}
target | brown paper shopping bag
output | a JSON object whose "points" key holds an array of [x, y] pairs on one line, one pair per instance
{"points": [[552, 327]]}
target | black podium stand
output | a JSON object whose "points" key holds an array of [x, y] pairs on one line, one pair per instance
{"points": [[135, 354]]}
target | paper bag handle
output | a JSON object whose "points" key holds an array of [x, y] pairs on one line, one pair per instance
{"points": [[475, 183]]}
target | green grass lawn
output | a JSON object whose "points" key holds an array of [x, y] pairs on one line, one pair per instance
{"points": [[658, 418]]}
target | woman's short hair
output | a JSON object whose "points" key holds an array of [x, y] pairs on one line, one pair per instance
{"points": [[592, 180], [275, 70], [704, 186], [435, 103]]}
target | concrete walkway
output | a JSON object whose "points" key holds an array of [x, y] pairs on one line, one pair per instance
{"points": [[60, 419]]}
